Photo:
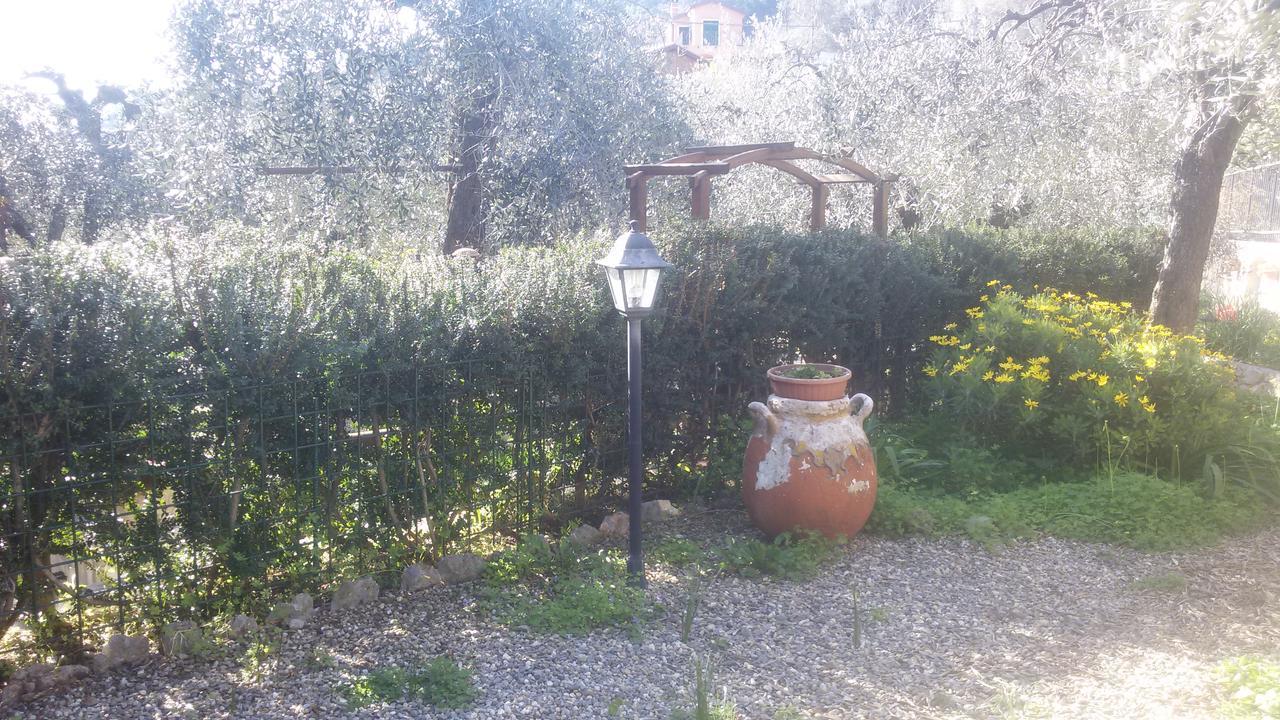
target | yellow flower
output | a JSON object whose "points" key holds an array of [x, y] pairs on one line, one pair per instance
{"points": [[1004, 378], [993, 283], [974, 313], [1122, 399], [1139, 378], [984, 298], [1150, 363], [1147, 404], [1010, 365], [930, 370], [966, 346], [1031, 404], [988, 375], [1076, 375], [960, 366], [1102, 380], [982, 327], [1042, 360], [1035, 372], [989, 349], [950, 326]]}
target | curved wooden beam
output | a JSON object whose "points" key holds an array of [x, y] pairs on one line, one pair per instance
{"points": [[851, 166], [794, 171]]}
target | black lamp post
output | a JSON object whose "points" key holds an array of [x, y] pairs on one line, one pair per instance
{"points": [[633, 269]]}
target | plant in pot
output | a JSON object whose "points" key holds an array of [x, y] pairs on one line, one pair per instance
{"points": [[810, 381]]}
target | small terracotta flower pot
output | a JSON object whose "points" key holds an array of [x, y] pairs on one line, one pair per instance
{"points": [[813, 389]]}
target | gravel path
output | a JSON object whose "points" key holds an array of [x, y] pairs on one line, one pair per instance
{"points": [[1039, 629]]}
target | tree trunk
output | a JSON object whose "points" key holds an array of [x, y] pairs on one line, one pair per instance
{"points": [[1197, 183], [466, 197], [11, 220]]}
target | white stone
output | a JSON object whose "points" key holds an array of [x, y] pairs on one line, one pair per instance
{"points": [[658, 510], [616, 525]]}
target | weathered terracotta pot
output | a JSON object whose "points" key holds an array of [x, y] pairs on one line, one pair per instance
{"points": [[809, 466], [831, 388]]}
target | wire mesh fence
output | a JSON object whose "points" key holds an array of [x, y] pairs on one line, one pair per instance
{"points": [[194, 503], [1249, 208]]}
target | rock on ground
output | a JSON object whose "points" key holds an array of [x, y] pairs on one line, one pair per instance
{"points": [[460, 568], [181, 637], [584, 536], [658, 511], [242, 626], [420, 576], [354, 593], [121, 650], [616, 525], [293, 614]]}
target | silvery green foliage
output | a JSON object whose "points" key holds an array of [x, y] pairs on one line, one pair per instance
{"points": [[53, 174], [567, 91], [974, 127]]}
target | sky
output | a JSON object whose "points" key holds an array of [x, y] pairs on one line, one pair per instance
{"points": [[90, 41]]}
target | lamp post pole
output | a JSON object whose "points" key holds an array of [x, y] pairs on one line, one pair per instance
{"points": [[633, 269], [635, 557]]}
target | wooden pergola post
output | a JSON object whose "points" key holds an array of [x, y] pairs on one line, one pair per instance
{"points": [[700, 200], [818, 212], [880, 209], [638, 195]]}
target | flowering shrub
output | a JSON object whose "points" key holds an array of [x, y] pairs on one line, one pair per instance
{"points": [[1077, 378]]}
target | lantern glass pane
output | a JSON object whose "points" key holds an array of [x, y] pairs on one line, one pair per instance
{"points": [[615, 288], [639, 288]]}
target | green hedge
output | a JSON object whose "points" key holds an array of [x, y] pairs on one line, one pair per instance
{"points": [[153, 371]]}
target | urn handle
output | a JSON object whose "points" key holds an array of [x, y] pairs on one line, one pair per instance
{"points": [[864, 409], [766, 421]]}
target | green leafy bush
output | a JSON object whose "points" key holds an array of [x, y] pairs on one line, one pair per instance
{"points": [[1058, 378], [1244, 331], [1251, 686]]}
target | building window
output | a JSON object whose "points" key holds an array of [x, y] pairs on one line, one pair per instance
{"points": [[711, 32], [686, 35]]}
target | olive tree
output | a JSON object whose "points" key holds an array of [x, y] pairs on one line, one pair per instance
{"points": [[976, 130], [493, 119], [68, 164]]}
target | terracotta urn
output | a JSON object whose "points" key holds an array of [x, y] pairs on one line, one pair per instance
{"points": [[809, 466], [815, 381]]}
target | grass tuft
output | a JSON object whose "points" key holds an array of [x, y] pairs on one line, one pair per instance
{"points": [[441, 683]]}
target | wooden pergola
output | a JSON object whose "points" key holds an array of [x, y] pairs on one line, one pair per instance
{"points": [[702, 163]]}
